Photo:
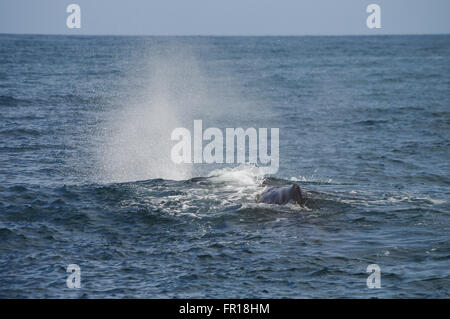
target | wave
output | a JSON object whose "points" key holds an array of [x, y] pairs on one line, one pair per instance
{"points": [[7, 100], [18, 132]]}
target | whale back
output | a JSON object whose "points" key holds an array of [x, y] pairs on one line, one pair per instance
{"points": [[282, 195]]}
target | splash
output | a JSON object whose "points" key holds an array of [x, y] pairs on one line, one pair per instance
{"points": [[166, 90], [243, 175], [135, 139]]}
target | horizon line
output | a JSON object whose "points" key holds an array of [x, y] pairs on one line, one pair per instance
{"points": [[223, 35]]}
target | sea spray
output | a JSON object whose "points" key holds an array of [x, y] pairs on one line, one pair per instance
{"points": [[169, 90], [136, 138]]}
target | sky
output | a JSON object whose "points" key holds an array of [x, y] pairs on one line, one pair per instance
{"points": [[225, 17]]}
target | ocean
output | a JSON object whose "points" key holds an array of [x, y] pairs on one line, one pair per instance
{"points": [[87, 178]]}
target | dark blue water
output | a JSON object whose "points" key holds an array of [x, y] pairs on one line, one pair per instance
{"points": [[86, 176]]}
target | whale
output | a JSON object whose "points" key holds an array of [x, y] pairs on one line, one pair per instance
{"points": [[282, 195]]}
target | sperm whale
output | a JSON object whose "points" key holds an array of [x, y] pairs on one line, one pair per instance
{"points": [[282, 195]]}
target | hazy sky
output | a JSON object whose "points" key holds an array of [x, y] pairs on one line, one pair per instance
{"points": [[225, 17]]}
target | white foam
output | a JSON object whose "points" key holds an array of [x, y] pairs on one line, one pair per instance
{"points": [[244, 175]]}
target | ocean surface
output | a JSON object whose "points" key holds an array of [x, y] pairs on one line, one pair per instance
{"points": [[86, 176]]}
